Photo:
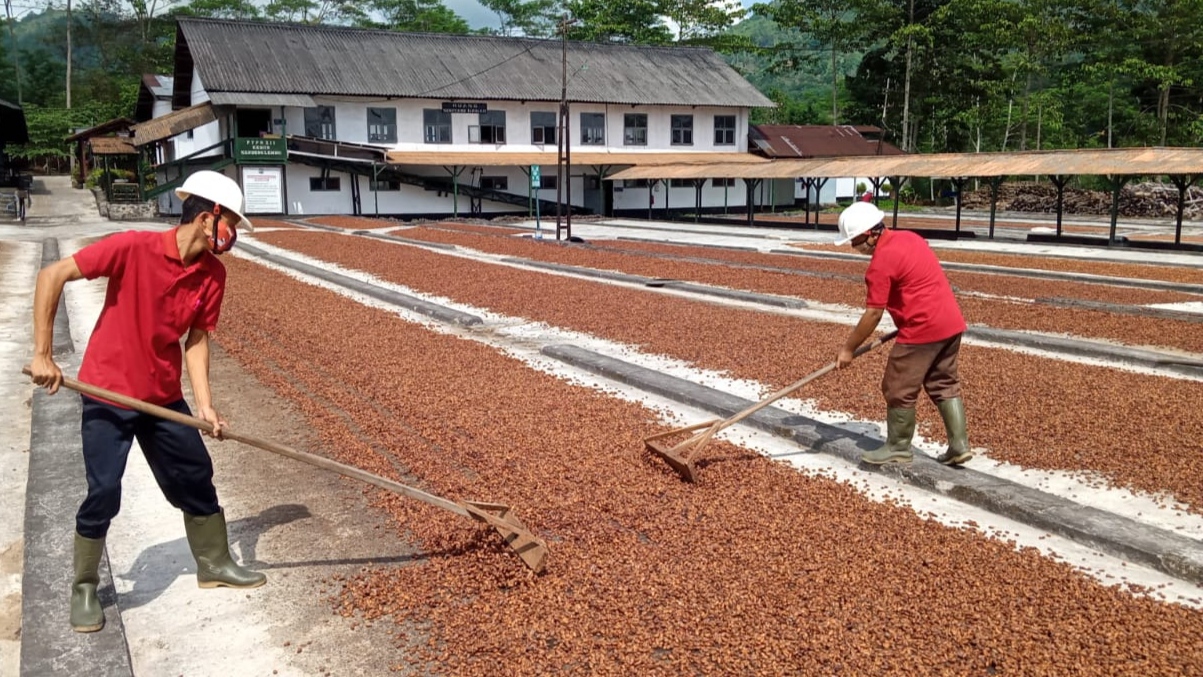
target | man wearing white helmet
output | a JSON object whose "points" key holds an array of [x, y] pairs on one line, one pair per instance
{"points": [[162, 287], [905, 278]]}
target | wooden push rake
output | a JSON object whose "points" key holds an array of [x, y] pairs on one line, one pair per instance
{"points": [[681, 456], [530, 549]]}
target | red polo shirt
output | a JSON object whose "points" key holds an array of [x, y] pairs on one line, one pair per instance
{"points": [[152, 301], [905, 278]]}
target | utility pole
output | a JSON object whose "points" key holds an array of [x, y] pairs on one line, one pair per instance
{"points": [[564, 159], [69, 54], [8, 8]]}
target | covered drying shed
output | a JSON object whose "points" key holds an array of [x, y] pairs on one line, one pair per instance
{"points": [[1183, 166]]}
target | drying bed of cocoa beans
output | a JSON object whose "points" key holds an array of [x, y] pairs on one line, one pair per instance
{"points": [[757, 570], [999, 313], [1182, 274], [361, 223], [1133, 270], [853, 271], [273, 223], [1027, 410]]}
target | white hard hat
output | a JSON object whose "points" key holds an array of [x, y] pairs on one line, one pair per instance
{"points": [[858, 218], [217, 188]]}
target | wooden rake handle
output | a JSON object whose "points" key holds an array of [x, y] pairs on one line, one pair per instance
{"points": [[873, 345], [267, 445]]}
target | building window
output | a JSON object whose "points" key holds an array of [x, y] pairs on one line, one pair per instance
{"points": [[382, 125], [437, 125], [319, 122], [318, 184], [547, 182], [190, 134], [724, 130], [634, 129], [494, 183], [682, 130], [593, 129], [722, 183], [542, 127], [383, 185], [491, 128], [634, 183], [680, 183]]}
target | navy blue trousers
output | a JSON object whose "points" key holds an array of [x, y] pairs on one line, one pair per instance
{"points": [[176, 454]]}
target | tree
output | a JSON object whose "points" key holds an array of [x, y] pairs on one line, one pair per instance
{"points": [[705, 22], [534, 18], [314, 11], [1170, 35], [837, 25], [422, 16], [222, 9], [635, 21]]}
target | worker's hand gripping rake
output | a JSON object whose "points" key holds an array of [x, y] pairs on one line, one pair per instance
{"points": [[530, 549], [681, 456]]}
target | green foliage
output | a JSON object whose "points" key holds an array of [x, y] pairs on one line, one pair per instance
{"points": [[534, 18], [633, 21], [103, 178], [222, 9], [422, 16]]}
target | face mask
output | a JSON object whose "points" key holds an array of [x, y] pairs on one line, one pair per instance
{"points": [[221, 237]]}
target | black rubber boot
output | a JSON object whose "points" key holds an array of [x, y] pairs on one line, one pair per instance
{"points": [[210, 546], [953, 413], [900, 428], [86, 614]]}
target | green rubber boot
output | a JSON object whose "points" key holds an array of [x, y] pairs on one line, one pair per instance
{"points": [[210, 546], [900, 428], [86, 614], [953, 413]]}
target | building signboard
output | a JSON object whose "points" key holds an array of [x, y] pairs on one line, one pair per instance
{"points": [[263, 189], [464, 107], [256, 150]]}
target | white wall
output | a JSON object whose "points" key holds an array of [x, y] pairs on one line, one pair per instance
{"points": [[203, 136], [350, 120], [683, 197], [834, 189], [351, 126]]}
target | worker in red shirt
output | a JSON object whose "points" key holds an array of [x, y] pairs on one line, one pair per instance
{"points": [[162, 286], [905, 278]]}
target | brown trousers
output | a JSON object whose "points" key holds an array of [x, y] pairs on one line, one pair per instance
{"points": [[930, 366]]}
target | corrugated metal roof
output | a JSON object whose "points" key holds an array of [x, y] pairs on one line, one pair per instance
{"points": [[1095, 162], [256, 99], [809, 141], [599, 158], [176, 122], [112, 145], [158, 85], [235, 56]]}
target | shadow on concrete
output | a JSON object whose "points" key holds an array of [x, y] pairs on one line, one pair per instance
{"points": [[157, 567]]}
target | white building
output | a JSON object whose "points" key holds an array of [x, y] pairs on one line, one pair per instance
{"points": [[332, 120]]}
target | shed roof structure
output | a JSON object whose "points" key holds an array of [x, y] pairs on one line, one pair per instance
{"points": [[815, 141], [103, 129], [176, 122], [112, 145], [253, 57], [1153, 161]]}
